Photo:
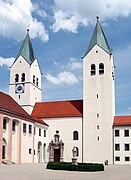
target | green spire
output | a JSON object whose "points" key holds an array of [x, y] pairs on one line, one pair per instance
{"points": [[99, 38], [26, 50]]}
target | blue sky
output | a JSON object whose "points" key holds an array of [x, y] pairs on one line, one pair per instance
{"points": [[60, 32]]}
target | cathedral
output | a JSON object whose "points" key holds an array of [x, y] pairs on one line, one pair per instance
{"points": [[32, 131]]}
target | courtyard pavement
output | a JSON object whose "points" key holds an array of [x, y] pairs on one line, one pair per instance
{"points": [[39, 172]]}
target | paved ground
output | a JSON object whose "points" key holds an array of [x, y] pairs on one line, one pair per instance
{"points": [[39, 172]]}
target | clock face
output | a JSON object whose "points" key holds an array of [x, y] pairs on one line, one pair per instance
{"points": [[19, 88]]}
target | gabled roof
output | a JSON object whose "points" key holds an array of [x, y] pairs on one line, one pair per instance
{"points": [[99, 38], [122, 120], [70, 108], [9, 107], [26, 50]]}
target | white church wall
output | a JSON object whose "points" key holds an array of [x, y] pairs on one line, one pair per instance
{"points": [[66, 126], [99, 107]]}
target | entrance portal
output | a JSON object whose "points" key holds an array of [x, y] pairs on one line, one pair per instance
{"points": [[56, 149], [56, 155]]}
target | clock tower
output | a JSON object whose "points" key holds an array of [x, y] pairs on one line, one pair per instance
{"points": [[25, 77]]}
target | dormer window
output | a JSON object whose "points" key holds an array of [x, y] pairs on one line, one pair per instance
{"points": [[101, 68], [93, 69], [17, 78], [23, 77]]}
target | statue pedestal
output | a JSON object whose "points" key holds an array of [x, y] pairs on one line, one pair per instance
{"points": [[74, 161]]}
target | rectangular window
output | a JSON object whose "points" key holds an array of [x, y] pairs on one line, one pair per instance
{"points": [[34, 130], [98, 138], [97, 126], [117, 147], [97, 115], [30, 151], [13, 125], [44, 133], [39, 132], [126, 132], [117, 134], [24, 128], [127, 147], [127, 158], [4, 124], [117, 158], [30, 129], [33, 79]]}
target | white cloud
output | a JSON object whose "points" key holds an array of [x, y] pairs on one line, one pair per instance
{"points": [[74, 64], [68, 15], [16, 16], [6, 61], [62, 78]]}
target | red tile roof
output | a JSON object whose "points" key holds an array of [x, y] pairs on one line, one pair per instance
{"points": [[57, 109], [122, 120], [10, 107]]}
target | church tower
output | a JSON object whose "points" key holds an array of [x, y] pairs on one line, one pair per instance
{"points": [[25, 77], [98, 99]]}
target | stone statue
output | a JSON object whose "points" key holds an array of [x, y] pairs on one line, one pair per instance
{"points": [[74, 151]]}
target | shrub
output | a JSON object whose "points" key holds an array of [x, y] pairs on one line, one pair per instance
{"points": [[80, 167]]}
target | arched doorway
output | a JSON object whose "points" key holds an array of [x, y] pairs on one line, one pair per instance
{"points": [[39, 152], [56, 149], [4, 149]]}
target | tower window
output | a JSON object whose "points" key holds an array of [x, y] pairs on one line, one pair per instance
{"points": [[75, 135], [37, 82], [101, 68], [23, 77], [17, 78], [93, 69], [33, 79]]}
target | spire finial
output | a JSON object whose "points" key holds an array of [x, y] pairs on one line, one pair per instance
{"points": [[97, 15]]}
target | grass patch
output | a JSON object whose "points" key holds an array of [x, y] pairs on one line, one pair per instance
{"points": [[90, 167]]}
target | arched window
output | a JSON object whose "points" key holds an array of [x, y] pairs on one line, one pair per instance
{"points": [[93, 69], [23, 77], [37, 83], [101, 68], [16, 77], [75, 135]]}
